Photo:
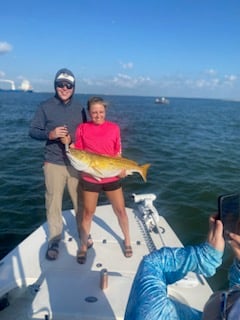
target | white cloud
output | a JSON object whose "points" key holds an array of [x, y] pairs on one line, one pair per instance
{"points": [[230, 80], [88, 81], [215, 82], [5, 47], [128, 65], [94, 82], [124, 80], [120, 80], [231, 77], [2, 74], [203, 84], [212, 80], [200, 83], [211, 72]]}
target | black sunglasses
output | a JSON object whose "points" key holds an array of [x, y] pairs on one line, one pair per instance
{"points": [[65, 84]]}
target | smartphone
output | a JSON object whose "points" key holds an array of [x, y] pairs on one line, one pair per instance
{"points": [[229, 213]]}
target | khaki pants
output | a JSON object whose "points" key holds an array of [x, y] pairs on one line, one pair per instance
{"points": [[56, 178]]}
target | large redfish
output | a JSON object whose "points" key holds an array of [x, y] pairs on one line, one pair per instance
{"points": [[101, 166]]}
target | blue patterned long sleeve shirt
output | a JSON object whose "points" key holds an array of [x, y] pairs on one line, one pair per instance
{"points": [[148, 299]]}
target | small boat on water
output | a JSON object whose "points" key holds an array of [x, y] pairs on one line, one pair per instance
{"points": [[161, 100], [32, 287]]}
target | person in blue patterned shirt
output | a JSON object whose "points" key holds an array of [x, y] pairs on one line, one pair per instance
{"points": [[148, 299]]}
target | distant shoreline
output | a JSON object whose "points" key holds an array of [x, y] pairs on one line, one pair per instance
{"points": [[17, 90]]}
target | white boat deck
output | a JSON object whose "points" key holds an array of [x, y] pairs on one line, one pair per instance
{"points": [[68, 290]]}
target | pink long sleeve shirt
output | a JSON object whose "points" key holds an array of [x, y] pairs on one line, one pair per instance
{"points": [[102, 139]]}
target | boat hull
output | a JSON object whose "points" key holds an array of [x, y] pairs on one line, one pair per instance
{"points": [[64, 289]]}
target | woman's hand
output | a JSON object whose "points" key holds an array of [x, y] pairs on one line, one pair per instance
{"points": [[122, 174]]}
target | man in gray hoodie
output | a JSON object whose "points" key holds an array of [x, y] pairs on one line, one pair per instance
{"points": [[54, 119]]}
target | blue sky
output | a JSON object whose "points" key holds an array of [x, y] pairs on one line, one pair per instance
{"points": [[173, 48]]}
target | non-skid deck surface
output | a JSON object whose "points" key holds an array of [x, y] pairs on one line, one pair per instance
{"points": [[67, 287]]}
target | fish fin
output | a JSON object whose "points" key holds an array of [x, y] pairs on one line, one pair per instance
{"points": [[96, 178], [144, 170], [98, 171]]}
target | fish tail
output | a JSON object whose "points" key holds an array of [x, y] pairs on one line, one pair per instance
{"points": [[144, 170]]}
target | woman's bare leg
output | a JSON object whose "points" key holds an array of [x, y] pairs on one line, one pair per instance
{"points": [[117, 200], [85, 216]]}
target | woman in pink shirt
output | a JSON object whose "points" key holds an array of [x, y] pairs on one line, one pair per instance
{"points": [[102, 137]]}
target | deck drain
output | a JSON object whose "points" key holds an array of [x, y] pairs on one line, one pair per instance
{"points": [[91, 299]]}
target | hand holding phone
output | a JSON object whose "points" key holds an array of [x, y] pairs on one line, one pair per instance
{"points": [[229, 213]]}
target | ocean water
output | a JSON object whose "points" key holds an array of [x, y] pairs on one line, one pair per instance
{"points": [[192, 145]]}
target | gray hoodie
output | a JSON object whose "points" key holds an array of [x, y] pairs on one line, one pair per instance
{"points": [[53, 113]]}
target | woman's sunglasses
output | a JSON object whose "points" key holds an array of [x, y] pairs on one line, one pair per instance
{"points": [[64, 84]]}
